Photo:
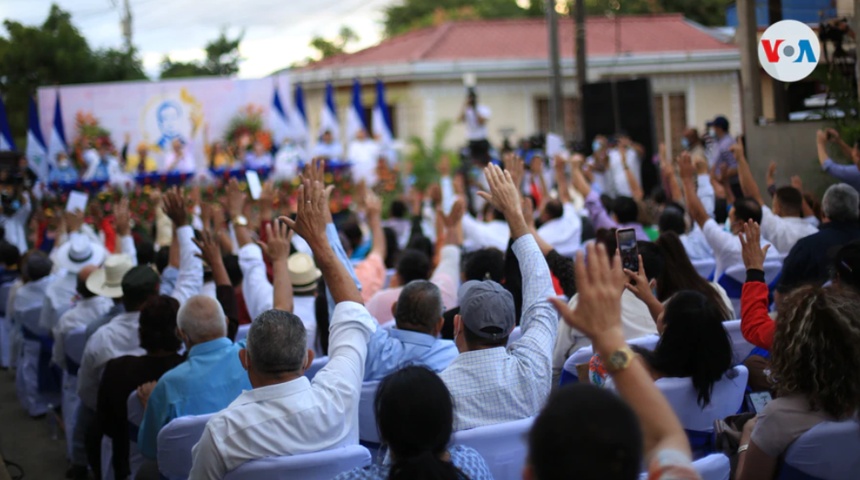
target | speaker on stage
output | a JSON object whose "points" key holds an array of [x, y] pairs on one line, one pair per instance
{"points": [[623, 106]]}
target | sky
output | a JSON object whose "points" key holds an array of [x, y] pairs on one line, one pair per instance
{"points": [[277, 32]]}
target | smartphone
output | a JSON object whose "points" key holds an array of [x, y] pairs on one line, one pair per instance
{"points": [[756, 401], [627, 247]]}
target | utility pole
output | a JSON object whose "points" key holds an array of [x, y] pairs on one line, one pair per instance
{"points": [[780, 102], [125, 24], [556, 107], [581, 69]]}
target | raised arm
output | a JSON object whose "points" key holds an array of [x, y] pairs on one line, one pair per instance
{"points": [[598, 316], [373, 206], [694, 204], [122, 222], [821, 144], [257, 290], [770, 178], [635, 188], [211, 254], [561, 181], [748, 185], [277, 248], [834, 136], [189, 281]]}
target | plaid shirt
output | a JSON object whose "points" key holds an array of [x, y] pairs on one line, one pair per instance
{"points": [[499, 385]]}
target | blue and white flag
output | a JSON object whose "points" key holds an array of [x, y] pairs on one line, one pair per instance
{"points": [[6, 141], [381, 118], [328, 115], [299, 121], [278, 120], [57, 143], [355, 113], [36, 152]]}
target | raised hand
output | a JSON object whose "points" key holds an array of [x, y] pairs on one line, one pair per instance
{"points": [[771, 169], [210, 251], [315, 172], [529, 213], [685, 166], [277, 246], [751, 250], [122, 218], [174, 207], [797, 183], [455, 216], [312, 212], [73, 220], [236, 198], [515, 165], [598, 311], [504, 195], [267, 200]]}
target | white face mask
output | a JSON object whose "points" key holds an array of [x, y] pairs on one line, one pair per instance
{"points": [[63, 163], [712, 132]]}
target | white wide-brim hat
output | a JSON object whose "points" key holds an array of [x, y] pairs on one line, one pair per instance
{"points": [[78, 252], [107, 281], [303, 272]]}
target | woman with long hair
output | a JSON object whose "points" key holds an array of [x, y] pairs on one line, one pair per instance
{"points": [[814, 365], [415, 416]]}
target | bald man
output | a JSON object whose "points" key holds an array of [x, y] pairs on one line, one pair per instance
{"points": [[88, 308]]}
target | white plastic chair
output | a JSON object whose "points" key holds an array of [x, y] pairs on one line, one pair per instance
{"points": [[73, 346], [27, 374], [5, 328], [367, 431], [726, 399], [713, 467], [515, 335], [135, 417], [242, 332], [828, 451], [504, 446], [316, 365], [705, 268], [741, 348], [584, 354], [309, 466], [175, 441]]}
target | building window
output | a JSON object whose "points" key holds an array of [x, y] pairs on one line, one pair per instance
{"points": [[367, 116]]}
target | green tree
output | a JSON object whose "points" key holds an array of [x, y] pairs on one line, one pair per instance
{"points": [[327, 48], [53, 53], [222, 59], [413, 14], [706, 12]]}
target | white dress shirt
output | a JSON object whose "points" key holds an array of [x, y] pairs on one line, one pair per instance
{"points": [[474, 129], [696, 245], [364, 156], [303, 307], [16, 225], [564, 234], [59, 298], [84, 312], [185, 164], [497, 385], [286, 164], [117, 338], [636, 321], [784, 232], [478, 235], [189, 282], [727, 253], [299, 416], [331, 150], [28, 296], [615, 172], [255, 285]]}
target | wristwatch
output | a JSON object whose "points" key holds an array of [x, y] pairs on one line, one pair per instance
{"points": [[240, 221], [619, 359]]}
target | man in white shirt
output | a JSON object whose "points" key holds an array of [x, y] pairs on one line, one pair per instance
{"points": [[562, 225], [287, 160], [89, 307], [636, 319], [493, 232], [178, 159], [363, 154], [623, 154], [258, 157], [490, 383], [285, 413], [475, 117], [673, 219], [78, 252], [327, 148], [14, 221], [784, 225]]}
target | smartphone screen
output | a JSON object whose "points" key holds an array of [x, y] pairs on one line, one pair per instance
{"points": [[626, 238], [758, 400]]}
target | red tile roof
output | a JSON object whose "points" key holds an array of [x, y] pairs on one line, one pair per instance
{"points": [[523, 39]]}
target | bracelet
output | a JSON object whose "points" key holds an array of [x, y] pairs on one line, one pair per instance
{"points": [[743, 448]]}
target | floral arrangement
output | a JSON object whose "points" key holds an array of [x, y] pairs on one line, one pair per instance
{"points": [[248, 123], [88, 133]]}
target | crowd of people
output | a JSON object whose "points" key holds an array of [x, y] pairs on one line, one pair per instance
{"points": [[465, 302]]}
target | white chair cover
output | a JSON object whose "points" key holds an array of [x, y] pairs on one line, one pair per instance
{"points": [[135, 417], [503, 446], [175, 442], [309, 466], [726, 399], [73, 345], [316, 365], [5, 328], [705, 268], [367, 431], [741, 348], [828, 451], [242, 332], [27, 372], [712, 467], [515, 335], [584, 354]]}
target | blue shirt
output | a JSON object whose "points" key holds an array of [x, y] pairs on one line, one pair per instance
{"points": [[848, 173], [206, 382], [63, 174], [390, 350], [102, 172]]}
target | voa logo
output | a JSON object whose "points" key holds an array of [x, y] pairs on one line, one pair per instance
{"points": [[789, 51]]}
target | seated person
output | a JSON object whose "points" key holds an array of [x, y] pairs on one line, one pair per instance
{"points": [[258, 157], [561, 225], [123, 375], [672, 219], [418, 445], [208, 380], [814, 362], [327, 147], [285, 413], [489, 382], [483, 264], [414, 341], [636, 318], [589, 434], [64, 171]]}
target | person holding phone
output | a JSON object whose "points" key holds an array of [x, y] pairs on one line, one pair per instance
{"points": [[476, 116]]}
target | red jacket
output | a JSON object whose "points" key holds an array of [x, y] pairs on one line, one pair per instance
{"points": [[756, 325]]}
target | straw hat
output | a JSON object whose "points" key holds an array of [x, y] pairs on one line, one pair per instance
{"points": [[107, 281], [303, 272]]}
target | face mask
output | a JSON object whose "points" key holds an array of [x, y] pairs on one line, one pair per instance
{"points": [[712, 132], [63, 163], [595, 146], [685, 143]]}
